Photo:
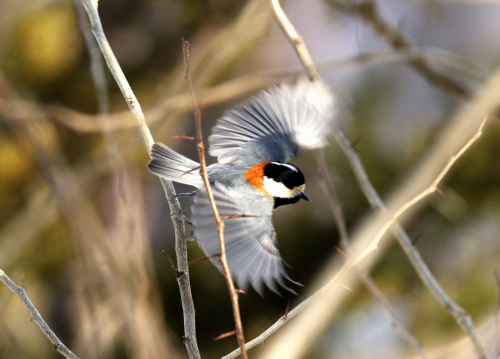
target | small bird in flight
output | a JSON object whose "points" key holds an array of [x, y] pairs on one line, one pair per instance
{"points": [[253, 143]]}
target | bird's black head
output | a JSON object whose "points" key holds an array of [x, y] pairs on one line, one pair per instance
{"points": [[285, 182]]}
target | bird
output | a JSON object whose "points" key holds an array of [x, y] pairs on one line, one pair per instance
{"points": [[253, 143]]}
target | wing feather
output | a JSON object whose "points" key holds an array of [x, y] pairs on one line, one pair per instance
{"points": [[251, 250], [278, 124]]}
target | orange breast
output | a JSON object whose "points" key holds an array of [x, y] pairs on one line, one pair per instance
{"points": [[254, 176]]}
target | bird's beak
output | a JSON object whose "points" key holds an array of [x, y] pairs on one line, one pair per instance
{"points": [[304, 197]]}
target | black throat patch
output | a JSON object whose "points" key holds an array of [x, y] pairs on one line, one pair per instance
{"points": [[278, 201]]}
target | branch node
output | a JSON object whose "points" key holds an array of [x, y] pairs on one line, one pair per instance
{"points": [[177, 272]]}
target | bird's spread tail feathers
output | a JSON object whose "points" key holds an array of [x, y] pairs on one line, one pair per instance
{"points": [[171, 165]]}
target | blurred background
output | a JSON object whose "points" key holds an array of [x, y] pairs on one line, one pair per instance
{"points": [[83, 224]]}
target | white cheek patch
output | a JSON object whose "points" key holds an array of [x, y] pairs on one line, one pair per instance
{"points": [[277, 189]]}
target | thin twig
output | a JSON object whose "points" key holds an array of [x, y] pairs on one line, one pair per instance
{"points": [[369, 283], [225, 335], [331, 195], [277, 325], [184, 137], [461, 317], [219, 222], [96, 62], [102, 96], [403, 333], [203, 258], [429, 190], [367, 10], [36, 317], [177, 272], [176, 211]]}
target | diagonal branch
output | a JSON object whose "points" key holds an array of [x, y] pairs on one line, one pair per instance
{"points": [[369, 283], [461, 317], [297, 43], [36, 317], [367, 10], [433, 187], [176, 211], [306, 60], [218, 220]]}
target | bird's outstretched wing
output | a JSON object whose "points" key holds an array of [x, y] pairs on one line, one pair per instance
{"points": [[277, 124], [250, 239]]}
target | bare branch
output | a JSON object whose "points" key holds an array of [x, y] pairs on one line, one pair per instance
{"points": [[328, 188], [36, 317], [367, 10], [429, 190], [461, 317], [365, 276], [219, 222], [404, 334], [331, 195], [101, 86], [277, 325], [295, 39], [176, 211]]}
